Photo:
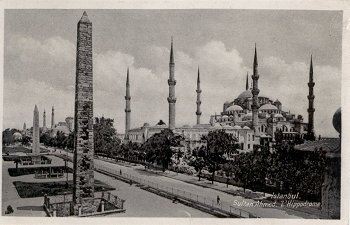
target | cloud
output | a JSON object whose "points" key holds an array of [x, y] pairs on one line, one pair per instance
{"points": [[20, 98], [46, 70], [51, 60], [288, 83]]}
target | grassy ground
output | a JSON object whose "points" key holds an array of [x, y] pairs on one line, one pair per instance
{"points": [[31, 190], [13, 172], [15, 149]]}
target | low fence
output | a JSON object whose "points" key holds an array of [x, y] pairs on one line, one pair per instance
{"points": [[63, 206], [212, 203]]}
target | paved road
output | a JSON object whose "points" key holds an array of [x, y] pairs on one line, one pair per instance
{"points": [[139, 203], [210, 194]]}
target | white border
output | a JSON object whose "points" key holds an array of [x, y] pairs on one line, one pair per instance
{"points": [[343, 5]]}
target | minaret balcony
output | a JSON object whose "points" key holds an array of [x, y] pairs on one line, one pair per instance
{"points": [[255, 76], [127, 97], [199, 102], [311, 97], [311, 110], [311, 84], [255, 91], [127, 110], [199, 91], [171, 99], [171, 82], [198, 113]]}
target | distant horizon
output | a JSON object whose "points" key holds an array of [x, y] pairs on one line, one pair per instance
{"points": [[40, 62]]}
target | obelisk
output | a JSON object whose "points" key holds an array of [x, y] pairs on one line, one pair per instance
{"points": [[36, 143], [83, 160]]}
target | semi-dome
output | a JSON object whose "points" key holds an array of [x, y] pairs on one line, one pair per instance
{"points": [[277, 115], [227, 126], [234, 108], [217, 125], [245, 94], [17, 136], [63, 129], [268, 106], [224, 116], [237, 127]]}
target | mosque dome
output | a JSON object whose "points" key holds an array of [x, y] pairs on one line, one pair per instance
{"points": [[337, 120], [17, 136], [224, 116], [237, 127], [234, 108], [217, 125], [186, 126], [226, 126], [245, 94], [278, 115], [146, 125], [268, 106], [227, 102], [246, 128], [63, 129]]}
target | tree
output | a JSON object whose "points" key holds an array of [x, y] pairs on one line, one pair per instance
{"points": [[105, 139], [61, 140], [26, 140], [228, 168], [159, 147], [198, 161], [7, 136], [16, 161], [70, 141], [218, 143], [45, 139]]}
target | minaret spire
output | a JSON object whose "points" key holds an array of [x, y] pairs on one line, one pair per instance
{"points": [[53, 118], [199, 102], [246, 84], [311, 109], [127, 106], [255, 92], [171, 83]]}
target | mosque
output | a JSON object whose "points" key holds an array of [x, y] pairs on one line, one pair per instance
{"points": [[65, 127], [252, 118]]}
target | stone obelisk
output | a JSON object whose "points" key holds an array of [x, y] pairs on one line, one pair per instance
{"points": [[36, 135], [83, 160]]}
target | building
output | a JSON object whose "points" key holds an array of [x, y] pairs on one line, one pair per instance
{"points": [[251, 117]]}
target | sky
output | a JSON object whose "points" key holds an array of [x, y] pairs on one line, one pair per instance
{"points": [[40, 46]]}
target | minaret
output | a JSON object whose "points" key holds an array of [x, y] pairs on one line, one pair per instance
{"points": [[255, 92], [83, 157], [24, 126], [171, 83], [53, 118], [36, 144], [246, 84], [127, 107], [311, 97], [44, 119], [199, 102]]}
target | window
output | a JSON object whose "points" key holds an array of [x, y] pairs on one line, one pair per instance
{"points": [[248, 146]]}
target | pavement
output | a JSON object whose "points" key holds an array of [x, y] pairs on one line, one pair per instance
{"points": [[206, 188], [139, 203]]}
